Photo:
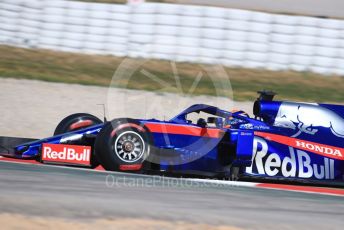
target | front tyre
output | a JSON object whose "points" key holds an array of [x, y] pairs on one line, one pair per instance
{"points": [[122, 145], [75, 122]]}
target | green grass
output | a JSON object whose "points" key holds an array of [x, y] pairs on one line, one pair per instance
{"points": [[122, 1], [99, 70]]}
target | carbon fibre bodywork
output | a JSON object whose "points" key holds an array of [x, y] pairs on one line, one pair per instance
{"points": [[285, 140]]}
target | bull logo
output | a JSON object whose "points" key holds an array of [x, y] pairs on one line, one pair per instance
{"points": [[307, 118]]}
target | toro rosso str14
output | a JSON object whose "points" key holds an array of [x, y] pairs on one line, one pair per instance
{"points": [[284, 140]]}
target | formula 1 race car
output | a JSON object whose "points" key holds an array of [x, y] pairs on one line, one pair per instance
{"points": [[285, 140]]}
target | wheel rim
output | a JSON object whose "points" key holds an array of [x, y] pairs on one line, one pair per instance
{"points": [[129, 146]]}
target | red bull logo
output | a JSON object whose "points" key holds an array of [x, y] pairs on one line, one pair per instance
{"points": [[297, 163], [69, 154]]}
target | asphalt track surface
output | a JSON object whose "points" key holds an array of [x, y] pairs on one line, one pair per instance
{"points": [[40, 190]]}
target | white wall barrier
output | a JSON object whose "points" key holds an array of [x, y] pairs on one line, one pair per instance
{"points": [[177, 32]]}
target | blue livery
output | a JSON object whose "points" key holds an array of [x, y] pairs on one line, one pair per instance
{"points": [[284, 140]]}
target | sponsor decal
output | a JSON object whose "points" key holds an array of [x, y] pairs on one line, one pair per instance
{"points": [[246, 126], [297, 163], [69, 154], [255, 127], [320, 149], [308, 118]]}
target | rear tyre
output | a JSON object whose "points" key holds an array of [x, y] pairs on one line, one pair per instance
{"points": [[79, 121], [122, 145]]}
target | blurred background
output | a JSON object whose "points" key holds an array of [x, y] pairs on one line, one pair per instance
{"points": [[152, 59], [293, 48]]}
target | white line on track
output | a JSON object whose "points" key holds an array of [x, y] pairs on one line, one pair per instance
{"points": [[307, 192], [225, 182]]}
